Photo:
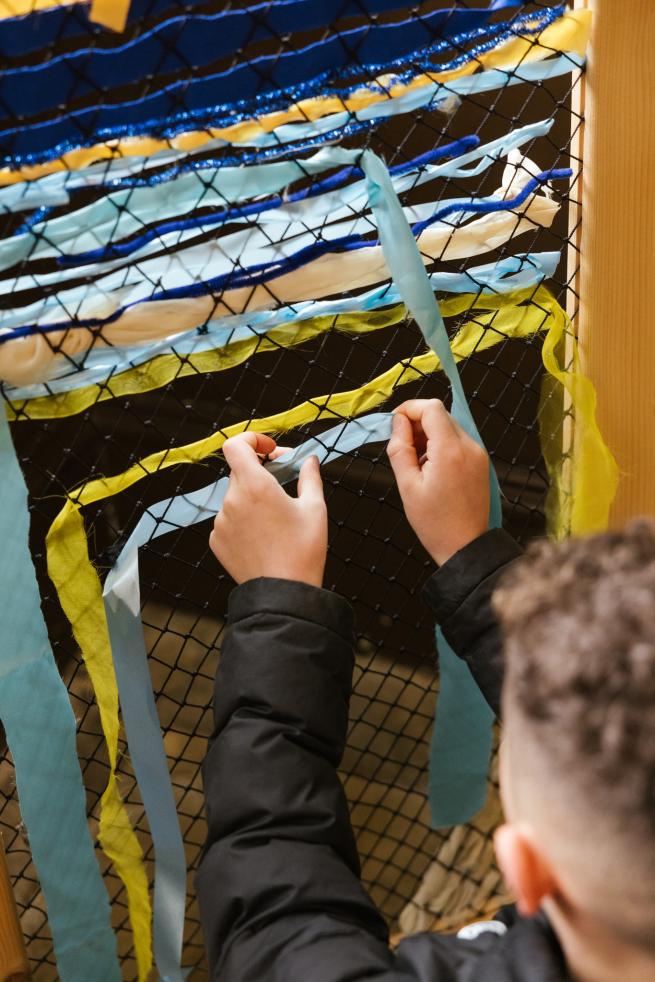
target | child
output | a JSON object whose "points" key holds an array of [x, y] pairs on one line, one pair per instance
{"points": [[279, 885]]}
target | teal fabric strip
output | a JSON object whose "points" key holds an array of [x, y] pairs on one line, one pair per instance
{"points": [[462, 738], [98, 365], [40, 727], [142, 729]]}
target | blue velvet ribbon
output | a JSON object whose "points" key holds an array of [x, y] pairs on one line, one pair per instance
{"points": [[188, 43], [52, 137], [40, 727], [31, 32]]}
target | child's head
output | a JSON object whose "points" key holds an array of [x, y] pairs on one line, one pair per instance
{"points": [[578, 765]]}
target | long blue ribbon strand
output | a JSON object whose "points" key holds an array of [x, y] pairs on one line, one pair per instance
{"points": [[142, 728], [462, 737], [189, 43], [272, 269], [40, 727], [51, 138], [30, 32]]}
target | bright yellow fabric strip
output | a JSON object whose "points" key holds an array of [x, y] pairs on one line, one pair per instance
{"points": [[110, 13], [78, 585], [569, 33], [18, 8], [583, 483], [80, 595], [163, 369]]}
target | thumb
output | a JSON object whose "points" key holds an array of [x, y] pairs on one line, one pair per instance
{"points": [[310, 483], [402, 452]]}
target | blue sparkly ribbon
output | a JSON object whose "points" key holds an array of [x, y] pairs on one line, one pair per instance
{"points": [[189, 43], [52, 138], [36, 713]]}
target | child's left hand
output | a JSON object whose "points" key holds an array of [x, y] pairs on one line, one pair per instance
{"points": [[263, 531]]}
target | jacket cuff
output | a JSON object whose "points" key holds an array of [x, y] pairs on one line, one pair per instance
{"points": [[271, 595], [454, 582]]}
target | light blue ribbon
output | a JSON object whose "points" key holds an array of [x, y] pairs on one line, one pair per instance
{"points": [[121, 213], [142, 729], [462, 737], [40, 727], [99, 364]]}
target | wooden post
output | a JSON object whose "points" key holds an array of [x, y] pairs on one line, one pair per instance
{"points": [[616, 323], [14, 965]]}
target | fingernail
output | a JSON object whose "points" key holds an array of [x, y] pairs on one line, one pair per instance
{"points": [[395, 422]]}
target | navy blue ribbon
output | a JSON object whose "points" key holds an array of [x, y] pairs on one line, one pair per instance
{"points": [[32, 32], [26, 91], [115, 250]]}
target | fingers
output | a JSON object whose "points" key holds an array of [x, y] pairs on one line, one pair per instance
{"points": [[241, 452], [401, 451], [279, 452], [310, 483]]}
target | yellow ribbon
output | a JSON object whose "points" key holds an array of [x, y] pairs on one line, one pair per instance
{"points": [[569, 33], [162, 369], [109, 13], [583, 473], [78, 585]]}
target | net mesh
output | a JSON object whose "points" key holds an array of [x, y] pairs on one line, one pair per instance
{"points": [[419, 877]]}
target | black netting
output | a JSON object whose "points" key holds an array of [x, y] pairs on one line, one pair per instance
{"points": [[418, 877]]}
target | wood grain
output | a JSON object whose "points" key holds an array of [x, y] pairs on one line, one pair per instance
{"points": [[14, 966], [616, 324]]}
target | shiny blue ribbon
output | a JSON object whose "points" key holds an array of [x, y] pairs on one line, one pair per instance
{"points": [[188, 43], [40, 727], [52, 138]]}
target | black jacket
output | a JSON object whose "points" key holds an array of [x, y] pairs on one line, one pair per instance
{"points": [[278, 886]]}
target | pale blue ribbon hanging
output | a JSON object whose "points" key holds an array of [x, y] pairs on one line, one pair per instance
{"points": [[462, 737], [40, 727]]}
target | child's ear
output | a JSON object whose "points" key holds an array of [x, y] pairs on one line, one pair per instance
{"points": [[527, 873]]}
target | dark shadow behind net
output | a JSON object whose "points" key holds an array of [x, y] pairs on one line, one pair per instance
{"points": [[374, 559]]}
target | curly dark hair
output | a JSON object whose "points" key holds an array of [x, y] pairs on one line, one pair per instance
{"points": [[578, 620]]}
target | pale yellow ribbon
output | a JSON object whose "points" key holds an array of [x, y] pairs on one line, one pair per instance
{"points": [[109, 13]]}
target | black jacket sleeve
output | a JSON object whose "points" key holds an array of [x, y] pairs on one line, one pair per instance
{"points": [[278, 887], [459, 594]]}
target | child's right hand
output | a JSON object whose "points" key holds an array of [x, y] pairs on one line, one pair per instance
{"points": [[442, 475]]}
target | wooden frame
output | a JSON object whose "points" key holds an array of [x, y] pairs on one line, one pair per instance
{"points": [[616, 321], [14, 965]]}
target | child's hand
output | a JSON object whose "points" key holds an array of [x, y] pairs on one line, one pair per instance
{"points": [[442, 476], [263, 531]]}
